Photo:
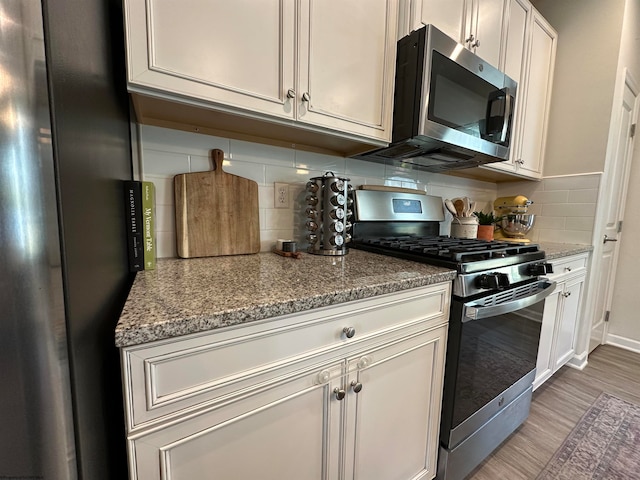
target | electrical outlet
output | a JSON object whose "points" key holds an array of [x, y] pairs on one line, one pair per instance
{"points": [[281, 198]]}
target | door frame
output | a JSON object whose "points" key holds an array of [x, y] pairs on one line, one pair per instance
{"points": [[625, 79]]}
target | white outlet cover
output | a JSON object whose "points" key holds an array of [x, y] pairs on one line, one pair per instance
{"points": [[281, 195]]}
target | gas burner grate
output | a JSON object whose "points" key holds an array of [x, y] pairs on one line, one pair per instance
{"points": [[459, 250]]}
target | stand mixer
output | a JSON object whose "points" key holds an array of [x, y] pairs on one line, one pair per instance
{"points": [[515, 222]]}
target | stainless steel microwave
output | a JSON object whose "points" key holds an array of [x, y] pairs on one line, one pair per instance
{"points": [[452, 109]]}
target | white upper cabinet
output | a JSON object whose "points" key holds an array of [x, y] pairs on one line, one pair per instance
{"points": [[326, 64], [346, 65], [239, 54], [477, 24], [483, 34], [535, 101], [447, 15], [514, 63]]}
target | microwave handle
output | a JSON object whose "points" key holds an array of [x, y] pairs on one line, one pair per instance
{"points": [[508, 99], [476, 313]]}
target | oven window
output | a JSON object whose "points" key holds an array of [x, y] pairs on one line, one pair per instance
{"points": [[495, 353]]}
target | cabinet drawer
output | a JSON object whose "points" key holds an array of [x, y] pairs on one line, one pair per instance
{"points": [[168, 376], [567, 265]]}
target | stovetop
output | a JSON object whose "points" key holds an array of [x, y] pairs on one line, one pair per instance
{"points": [[463, 255]]}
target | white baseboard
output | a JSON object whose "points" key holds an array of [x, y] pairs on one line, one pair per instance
{"points": [[622, 342], [578, 361]]}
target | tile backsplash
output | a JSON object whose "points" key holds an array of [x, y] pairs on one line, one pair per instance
{"points": [[565, 206], [163, 153]]}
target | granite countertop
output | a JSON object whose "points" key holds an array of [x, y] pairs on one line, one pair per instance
{"points": [[193, 295], [558, 250]]}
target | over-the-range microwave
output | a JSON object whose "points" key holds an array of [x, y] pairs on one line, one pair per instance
{"points": [[452, 109]]}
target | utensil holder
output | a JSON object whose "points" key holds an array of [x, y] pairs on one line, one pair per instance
{"points": [[328, 214], [464, 227]]}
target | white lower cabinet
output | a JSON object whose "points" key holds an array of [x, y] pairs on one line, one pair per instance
{"points": [[561, 316], [361, 407]]}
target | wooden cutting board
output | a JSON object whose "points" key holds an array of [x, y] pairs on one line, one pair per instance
{"points": [[216, 213]]}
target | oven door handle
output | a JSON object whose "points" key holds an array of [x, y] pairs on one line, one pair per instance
{"points": [[472, 312]]}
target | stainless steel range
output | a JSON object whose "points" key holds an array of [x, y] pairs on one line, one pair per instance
{"points": [[494, 325]]}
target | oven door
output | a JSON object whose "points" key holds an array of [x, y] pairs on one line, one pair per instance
{"points": [[491, 356]]}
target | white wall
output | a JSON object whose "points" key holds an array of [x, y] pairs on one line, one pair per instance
{"points": [[584, 79], [624, 326], [164, 153]]}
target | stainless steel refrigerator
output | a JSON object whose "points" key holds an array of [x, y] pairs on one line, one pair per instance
{"points": [[64, 151]]}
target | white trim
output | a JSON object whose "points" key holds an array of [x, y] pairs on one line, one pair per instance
{"points": [[624, 78], [578, 361], [572, 175], [623, 342]]}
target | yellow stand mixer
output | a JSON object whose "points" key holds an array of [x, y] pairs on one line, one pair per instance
{"points": [[515, 222]]}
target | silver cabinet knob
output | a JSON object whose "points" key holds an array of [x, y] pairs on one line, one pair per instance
{"points": [[567, 269], [520, 161], [356, 386], [607, 239], [349, 332], [469, 39], [339, 393], [566, 294], [476, 44], [306, 97], [291, 93]]}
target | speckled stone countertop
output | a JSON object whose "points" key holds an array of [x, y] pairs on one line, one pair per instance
{"points": [[558, 250], [193, 295]]}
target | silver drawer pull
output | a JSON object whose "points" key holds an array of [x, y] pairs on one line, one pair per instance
{"points": [[356, 386], [349, 332], [339, 392]]}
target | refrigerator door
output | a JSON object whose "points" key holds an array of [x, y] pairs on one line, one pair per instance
{"points": [[36, 438]]}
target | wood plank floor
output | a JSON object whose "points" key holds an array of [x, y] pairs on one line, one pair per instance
{"points": [[557, 407]]}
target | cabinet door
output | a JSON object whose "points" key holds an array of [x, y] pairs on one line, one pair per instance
{"points": [[446, 15], [546, 361], [515, 57], [489, 16], [286, 431], [393, 425], [536, 98], [237, 54], [346, 58], [568, 321]]}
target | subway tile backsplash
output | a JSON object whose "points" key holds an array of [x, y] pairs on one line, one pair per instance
{"points": [[564, 206]]}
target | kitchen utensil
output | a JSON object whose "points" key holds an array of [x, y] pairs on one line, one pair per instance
{"points": [[466, 209], [385, 188], [449, 205], [216, 213], [459, 206]]}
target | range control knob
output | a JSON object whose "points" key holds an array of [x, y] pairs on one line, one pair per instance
{"points": [[493, 281], [540, 269]]}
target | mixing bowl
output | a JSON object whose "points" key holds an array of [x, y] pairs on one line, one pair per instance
{"points": [[517, 225]]}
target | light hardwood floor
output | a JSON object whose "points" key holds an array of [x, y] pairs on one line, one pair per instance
{"points": [[557, 407]]}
